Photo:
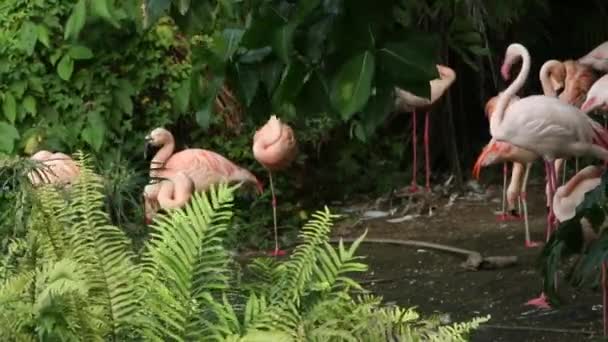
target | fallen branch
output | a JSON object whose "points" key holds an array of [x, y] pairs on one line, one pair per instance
{"points": [[474, 260]]}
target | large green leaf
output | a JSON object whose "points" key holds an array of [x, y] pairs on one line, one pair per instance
{"points": [[352, 84], [95, 130], [181, 100], [28, 36], [29, 104], [410, 65], [248, 81], [76, 20], [282, 42], [9, 107], [65, 67], [8, 135], [154, 9], [294, 77], [80, 52], [226, 43]]}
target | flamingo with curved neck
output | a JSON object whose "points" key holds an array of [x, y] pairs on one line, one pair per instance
{"points": [[275, 147]]}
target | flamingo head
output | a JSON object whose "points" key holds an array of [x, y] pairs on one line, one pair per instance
{"points": [[158, 137], [590, 104], [494, 152], [512, 55]]}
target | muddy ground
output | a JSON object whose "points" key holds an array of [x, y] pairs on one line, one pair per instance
{"points": [[434, 281]]}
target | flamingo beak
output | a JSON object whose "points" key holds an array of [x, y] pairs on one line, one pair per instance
{"points": [[148, 148], [589, 104], [479, 164]]}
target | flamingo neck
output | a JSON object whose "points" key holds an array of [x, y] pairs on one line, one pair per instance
{"points": [[164, 153], [545, 74], [505, 97], [174, 193]]}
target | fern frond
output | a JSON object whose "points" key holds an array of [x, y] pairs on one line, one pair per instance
{"points": [[186, 256]]}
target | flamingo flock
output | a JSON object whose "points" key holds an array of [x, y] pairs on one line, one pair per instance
{"points": [[552, 126]]}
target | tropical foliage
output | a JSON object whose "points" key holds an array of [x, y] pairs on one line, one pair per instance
{"points": [[73, 276]]}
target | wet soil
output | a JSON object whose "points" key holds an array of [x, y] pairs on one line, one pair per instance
{"points": [[435, 283]]}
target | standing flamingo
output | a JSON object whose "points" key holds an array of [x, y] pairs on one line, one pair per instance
{"points": [[597, 58], [275, 147], [408, 102], [544, 125], [499, 151], [170, 193], [567, 198], [57, 168], [203, 167]]}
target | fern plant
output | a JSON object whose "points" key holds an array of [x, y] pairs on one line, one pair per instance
{"points": [[74, 277]]}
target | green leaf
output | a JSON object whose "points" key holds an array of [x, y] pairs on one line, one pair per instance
{"points": [[255, 55], [8, 135], [352, 85], [181, 100], [80, 52], [184, 5], [226, 43], [29, 104], [95, 131], [76, 20], [35, 84], [55, 56], [305, 8], [9, 107], [101, 9], [378, 108], [154, 9], [248, 81], [28, 36], [205, 113], [409, 66], [43, 35], [65, 67], [282, 42], [18, 88], [291, 83]]}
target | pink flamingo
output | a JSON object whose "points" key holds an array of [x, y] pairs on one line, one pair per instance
{"points": [[567, 198], [546, 126], [275, 147], [408, 102], [597, 96], [203, 167], [499, 151], [579, 80], [57, 168], [597, 58], [170, 193]]}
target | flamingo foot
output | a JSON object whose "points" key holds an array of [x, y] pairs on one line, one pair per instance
{"points": [[414, 188], [533, 244], [277, 252], [502, 217], [540, 302]]}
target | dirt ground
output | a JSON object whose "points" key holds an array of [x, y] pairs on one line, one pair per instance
{"points": [[434, 281]]}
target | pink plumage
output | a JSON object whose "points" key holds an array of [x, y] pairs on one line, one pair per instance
{"points": [[56, 168], [274, 145]]}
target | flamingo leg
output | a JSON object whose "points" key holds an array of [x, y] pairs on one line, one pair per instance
{"points": [[605, 297], [553, 187], [503, 214], [524, 199], [277, 251], [576, 165], [414, 186], [564, 165], [426, 152]]}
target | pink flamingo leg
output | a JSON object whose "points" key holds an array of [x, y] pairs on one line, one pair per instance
{"points": [[524, 199], [605, 297], [414, 186], [503, 215], [277, 251], [426, 152]]}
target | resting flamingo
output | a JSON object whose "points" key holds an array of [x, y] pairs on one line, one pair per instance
{"points": [[544, 125], [408, 102], [56, 168], [203, 167], [167, 194], [597, 58], [567, 198], [275, 147]]}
